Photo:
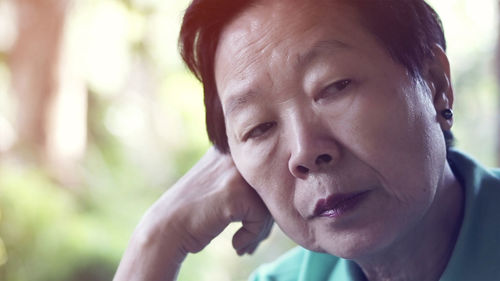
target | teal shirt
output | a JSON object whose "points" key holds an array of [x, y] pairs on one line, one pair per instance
{"points": [[476, 256]]}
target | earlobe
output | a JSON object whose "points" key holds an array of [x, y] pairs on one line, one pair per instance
{"points": [[439, 79]]}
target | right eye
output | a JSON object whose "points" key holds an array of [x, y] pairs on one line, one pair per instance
{"points": [[335, 89], [259, 130]]}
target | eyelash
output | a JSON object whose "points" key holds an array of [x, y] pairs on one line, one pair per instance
{"points": [[339, 85], [264, 127]]}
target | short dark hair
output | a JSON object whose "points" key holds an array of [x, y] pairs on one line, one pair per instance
{"points": [[408, 29]]}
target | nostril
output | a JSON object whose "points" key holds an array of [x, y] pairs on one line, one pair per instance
{"points": [[302, 169], [323, 158]]}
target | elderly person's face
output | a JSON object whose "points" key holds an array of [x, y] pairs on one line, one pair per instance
{"points": [[343, 146]]}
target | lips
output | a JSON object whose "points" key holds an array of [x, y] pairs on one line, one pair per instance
{"points": [[337, 204]]}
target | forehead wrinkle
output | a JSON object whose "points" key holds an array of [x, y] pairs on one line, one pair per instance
{"points": [[255, 39], [244, 75], [249, 49]]}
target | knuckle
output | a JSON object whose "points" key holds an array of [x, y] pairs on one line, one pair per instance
{"points": [[231, 211]]}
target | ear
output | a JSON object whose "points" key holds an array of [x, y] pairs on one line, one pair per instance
{"points": [[438, 79]]}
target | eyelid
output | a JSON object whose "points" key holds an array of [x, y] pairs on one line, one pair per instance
{"points": [[342, 84], [265, 125]]}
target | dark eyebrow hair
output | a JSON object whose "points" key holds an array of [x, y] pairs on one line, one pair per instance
{"points": [[236, 102], [320, 46]]}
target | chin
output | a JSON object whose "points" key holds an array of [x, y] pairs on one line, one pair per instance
{"points": [[351, 253], [356, 245]]}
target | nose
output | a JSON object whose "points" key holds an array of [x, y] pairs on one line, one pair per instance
{"points": [[313, 150]]}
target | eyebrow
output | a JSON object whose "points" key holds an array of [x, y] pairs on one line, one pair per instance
{"points": [[318, 48], [237, 101]]}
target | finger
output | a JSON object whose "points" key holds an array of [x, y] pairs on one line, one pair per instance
{"points": [[249, 236], [263, 235], [252, 232], [243, 239], [267, 228], [248, 249], [252, 249]]}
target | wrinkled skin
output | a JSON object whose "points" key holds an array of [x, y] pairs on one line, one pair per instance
{"points": [[381, 130], [190, 214], [314, 106]]}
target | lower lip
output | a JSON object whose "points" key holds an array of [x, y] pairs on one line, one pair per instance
{"points": [[345, 206]]}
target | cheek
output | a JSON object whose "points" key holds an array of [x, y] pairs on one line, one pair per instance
{"points": [[266, 170], [393, 132], [256, 163]]}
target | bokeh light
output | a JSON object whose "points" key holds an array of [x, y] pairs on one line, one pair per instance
{"points": [[126, 120]]}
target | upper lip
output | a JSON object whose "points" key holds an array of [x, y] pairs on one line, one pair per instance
{"points": [[332, 201]]}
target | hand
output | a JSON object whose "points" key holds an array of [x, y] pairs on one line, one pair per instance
{"points": [[210, 196], [190, 214]]}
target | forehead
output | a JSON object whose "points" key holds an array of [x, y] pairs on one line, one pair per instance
{"points": [[277, 35], [269, 24]]}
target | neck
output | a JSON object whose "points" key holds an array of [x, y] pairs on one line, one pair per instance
{"points": [[424, 253]]}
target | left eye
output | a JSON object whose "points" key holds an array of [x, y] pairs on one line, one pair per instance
{"points": [[334, 89], [259, 130]]}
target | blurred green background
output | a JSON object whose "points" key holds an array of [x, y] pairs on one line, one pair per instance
{"points": [[98, 117]]}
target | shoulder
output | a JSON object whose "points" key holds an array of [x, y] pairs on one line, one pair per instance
{"points": [[297, 264], [477, 250], [473, 175], [482, 191]]}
